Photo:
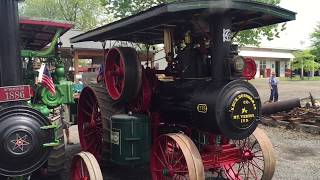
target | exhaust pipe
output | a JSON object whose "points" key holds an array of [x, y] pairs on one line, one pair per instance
{"points": [[10, 62]]}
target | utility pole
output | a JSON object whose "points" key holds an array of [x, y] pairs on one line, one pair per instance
{"points": [[302, 62], [313, 63], [301, 72]]}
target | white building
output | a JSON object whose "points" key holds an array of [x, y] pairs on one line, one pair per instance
{"points": [[270, 60]]}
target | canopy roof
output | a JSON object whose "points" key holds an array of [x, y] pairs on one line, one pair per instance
{"points": [[37, 33], [147, 26]]}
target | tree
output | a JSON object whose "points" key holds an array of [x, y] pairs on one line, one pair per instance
{"points": [[315, 39], [305, 61], [254, 36], [124, 8], [84, 13]]}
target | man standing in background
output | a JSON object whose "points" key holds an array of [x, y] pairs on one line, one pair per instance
{"points": [[273, 84]]}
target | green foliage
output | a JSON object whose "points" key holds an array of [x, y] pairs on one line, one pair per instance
{"points": [[273, 2], [254, 36], [84, 13], [123, 8], [297, 78], [315, 38], [84, 62], [306, 60]]}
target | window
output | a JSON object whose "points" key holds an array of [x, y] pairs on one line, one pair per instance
{"points": [[263, 65]]}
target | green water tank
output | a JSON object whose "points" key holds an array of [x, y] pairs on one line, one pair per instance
{"points": [[130, 139]]}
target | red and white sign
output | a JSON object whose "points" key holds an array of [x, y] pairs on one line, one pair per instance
{"points": [[15, 93]]}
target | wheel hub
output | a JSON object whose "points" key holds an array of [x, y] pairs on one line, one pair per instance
{"points": [[166, 172], [248, 155], [19, 142], [22, 140]]}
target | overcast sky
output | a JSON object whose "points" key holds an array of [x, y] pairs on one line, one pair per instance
{"points": [[297, 34]]}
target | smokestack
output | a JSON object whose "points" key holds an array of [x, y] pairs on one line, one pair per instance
{"points": [[220, 29], [10, 62]]}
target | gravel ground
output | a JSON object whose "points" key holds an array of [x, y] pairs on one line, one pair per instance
{"points": [[288, 89], [297, 154]]}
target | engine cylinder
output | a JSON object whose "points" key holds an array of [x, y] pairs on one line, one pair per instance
{"points": [[232, 110]]}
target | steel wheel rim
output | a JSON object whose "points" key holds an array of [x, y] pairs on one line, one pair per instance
{"points": [[258, 161], [85, 167], [172, 158], [79, 169], [90, 123], [162, 160], [114, 73]]}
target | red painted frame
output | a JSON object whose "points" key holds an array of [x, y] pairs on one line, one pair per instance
{"points": [[15, 93], [66, 26]]}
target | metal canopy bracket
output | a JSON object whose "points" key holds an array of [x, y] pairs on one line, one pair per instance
{"points": [[168, 44], [50, 52]]}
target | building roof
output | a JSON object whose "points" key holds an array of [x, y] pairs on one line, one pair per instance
{"points": [[257, 52], [65, 39]]}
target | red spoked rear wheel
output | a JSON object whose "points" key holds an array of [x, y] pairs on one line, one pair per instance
{"points": [[85, 167], [122, 73], [90, 123], [174, 156], [258, 160], [143, 101]]}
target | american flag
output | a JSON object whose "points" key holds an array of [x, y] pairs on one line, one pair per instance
{"points": [[47, 81]]}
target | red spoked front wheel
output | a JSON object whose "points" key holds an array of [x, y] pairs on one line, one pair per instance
{"points": [[174, 156], [122, 73], [257, 158], [90, 123], [85, 167]]}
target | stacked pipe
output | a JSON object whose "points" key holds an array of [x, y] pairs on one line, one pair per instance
{"points": [[10, 63], [279, 106]]}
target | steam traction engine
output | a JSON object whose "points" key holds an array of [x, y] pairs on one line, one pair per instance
{"points": [[26, 135], [31, 134], [35, 34], [196, 118]]}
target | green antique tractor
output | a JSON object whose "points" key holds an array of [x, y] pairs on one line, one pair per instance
{"points": [[54, 106], [31, 131]]}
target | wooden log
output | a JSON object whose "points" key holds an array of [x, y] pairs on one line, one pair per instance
{"points": [[275, 107]]}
